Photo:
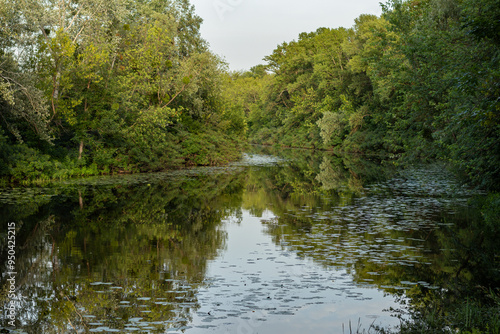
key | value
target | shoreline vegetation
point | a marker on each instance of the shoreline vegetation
(129, 86)
(106, 87)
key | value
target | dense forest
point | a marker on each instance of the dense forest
(99, 87)
(420, 82)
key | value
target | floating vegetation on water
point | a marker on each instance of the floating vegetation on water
(233, 247)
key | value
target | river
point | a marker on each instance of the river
(301, 243)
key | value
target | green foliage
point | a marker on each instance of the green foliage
(335, 123)
(491, 211)
(418, 83)
(243, 100)
(472, 317)
(208, 149)
(94, 87)
(124, 86)
(152, 146)
(482, 19)
(27, 164)
(450, 93)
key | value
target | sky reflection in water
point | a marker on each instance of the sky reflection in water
(296, 245)
(258, 286)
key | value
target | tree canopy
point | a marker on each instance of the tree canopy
(96, 86)
(419, 82)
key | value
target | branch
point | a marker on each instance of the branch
(79, 32)
(74, 18)
(177, 94)
(184, 87)
(30, 99)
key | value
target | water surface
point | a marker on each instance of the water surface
(296, 244)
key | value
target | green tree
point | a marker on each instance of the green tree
(23, 108)
(448, 104)
(115, 86)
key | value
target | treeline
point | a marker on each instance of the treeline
(97, 86)
(108, 86)
(420, 82)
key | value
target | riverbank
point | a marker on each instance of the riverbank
(27, 166)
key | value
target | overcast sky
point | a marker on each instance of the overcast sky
(245, 31)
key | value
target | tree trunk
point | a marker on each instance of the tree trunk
(80, 199)
(80, 150)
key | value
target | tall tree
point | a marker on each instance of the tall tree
(21, 103)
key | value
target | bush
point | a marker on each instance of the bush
(28, 164)
(209, 148)
(491, 211)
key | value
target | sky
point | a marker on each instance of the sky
(243, 32)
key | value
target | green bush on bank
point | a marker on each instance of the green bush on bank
(26, 165)
(467, 317)
(491, 211)
(29, 165)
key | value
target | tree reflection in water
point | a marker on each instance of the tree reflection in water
(131, 252)
(132, 256)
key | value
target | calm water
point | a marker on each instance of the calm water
(300, 244)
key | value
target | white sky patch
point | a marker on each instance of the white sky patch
(243, 32)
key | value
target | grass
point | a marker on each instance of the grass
(360, 330)
(470, 317)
